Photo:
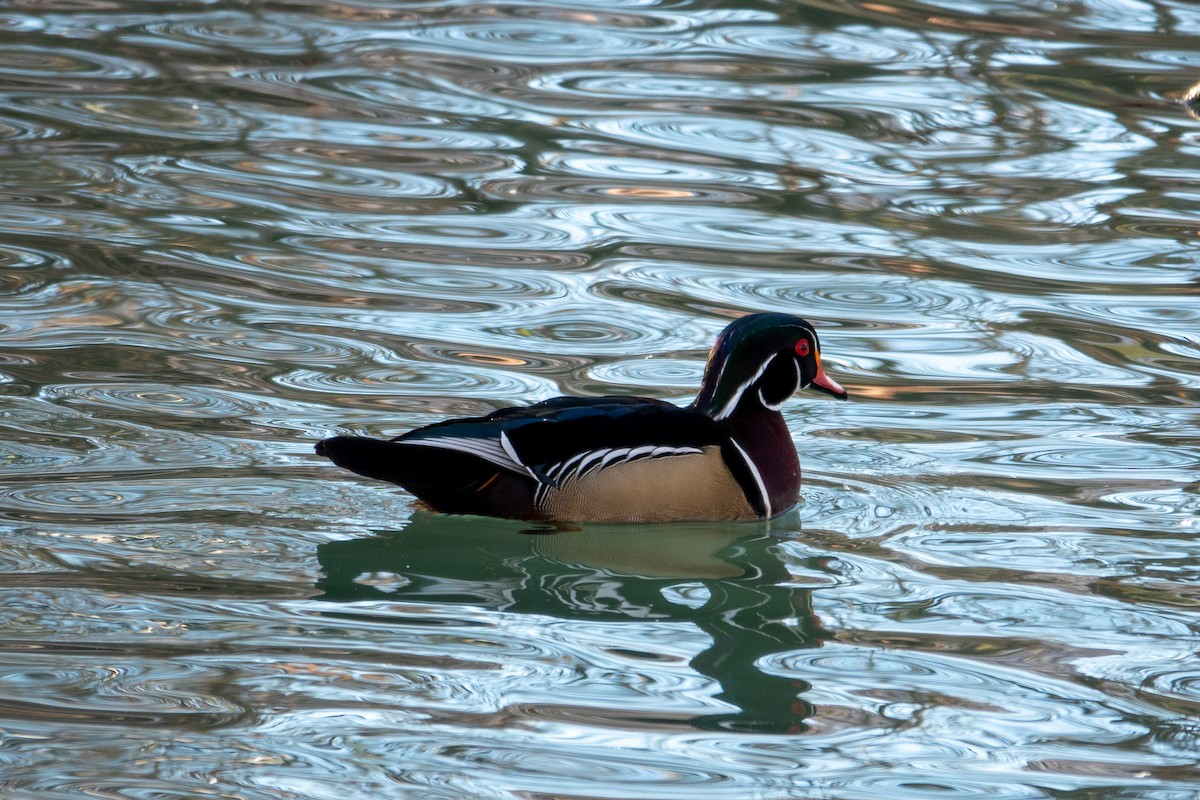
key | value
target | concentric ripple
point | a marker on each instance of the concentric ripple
(37, 65)
(852, 300)
(537, 40)
(470, 379)
(748, 139)
(222, 32)
(281, 185)
(142, 115)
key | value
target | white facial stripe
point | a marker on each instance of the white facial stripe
(741, 390)
(762, 487)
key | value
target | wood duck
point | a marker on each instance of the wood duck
(727, 456)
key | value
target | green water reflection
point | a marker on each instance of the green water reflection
(745, 602)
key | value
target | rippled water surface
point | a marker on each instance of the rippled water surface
(230, 229)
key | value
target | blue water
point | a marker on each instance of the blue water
(228, 230)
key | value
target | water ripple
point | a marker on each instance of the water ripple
(155, 399)
(16, 129)
(220, 32)
(39, 66)
(651, 373)
(891, 48)
(432, 255)
(101, 501)
(1154, 262)
(27, 270)
(868, 300)
(391, 95)
(283, 185)
(404, 138)
(750, 140)
(116, 693)
(539, 38)
(572, 329)
(667, 81)
(652, 172)
(559, 190)
(525, 230)
(144, 115)
(469, 379)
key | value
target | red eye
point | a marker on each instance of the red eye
(802, 347)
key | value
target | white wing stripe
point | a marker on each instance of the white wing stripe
(512, 453)
(674, 451)
(621, 453)
(583, 463)
(562, 466)
(488, 449)
(500, 451)
(583, 466)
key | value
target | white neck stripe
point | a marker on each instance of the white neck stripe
(762, 487)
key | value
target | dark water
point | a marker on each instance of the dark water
(230, 229)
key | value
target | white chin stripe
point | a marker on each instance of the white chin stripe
(779, 405)
(766, 405)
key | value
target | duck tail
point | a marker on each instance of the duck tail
(444, 480)
(373, 458)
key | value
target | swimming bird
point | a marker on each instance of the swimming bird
(727, 456)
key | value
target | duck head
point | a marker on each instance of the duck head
(758, 362)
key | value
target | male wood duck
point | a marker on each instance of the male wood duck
(727, 456)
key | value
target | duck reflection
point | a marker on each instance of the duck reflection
(727, 580)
